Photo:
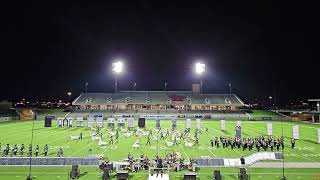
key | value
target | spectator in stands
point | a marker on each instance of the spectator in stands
(46, 149)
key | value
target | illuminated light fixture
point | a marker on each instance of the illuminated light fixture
(200, 68)
(117, 67)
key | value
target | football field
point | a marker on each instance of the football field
(18, 132)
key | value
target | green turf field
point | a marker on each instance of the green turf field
(262, 113)
(18, 132)
(56, 112)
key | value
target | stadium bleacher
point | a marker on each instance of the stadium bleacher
(179, 103)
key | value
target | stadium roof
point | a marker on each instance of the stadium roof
(316, 100)
(157, 97)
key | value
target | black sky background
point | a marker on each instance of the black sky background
(49, 49)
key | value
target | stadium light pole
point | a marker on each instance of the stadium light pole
(165, 86)
(270, 98)
(282, 150)
(117, 68)
(200, 68)
(134, 86)
(69, 94)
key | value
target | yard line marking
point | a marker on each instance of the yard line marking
(209, 150)
(18, 123)
(184, 151)
(81, 148)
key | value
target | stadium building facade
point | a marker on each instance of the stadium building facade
(158, 100)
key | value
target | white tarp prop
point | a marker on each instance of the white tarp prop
(69, 122)
(111, 120)
(90, 124)
(79, 118)
(188, 124)
(91, 118)
(269, 129)
(60, 122)
(222, 125)
(198, 123)
(120, 120)
(130, 122)
(99, 124)
(99, 118)
(295, 132)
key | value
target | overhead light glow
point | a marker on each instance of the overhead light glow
(200, 68)
(117, 67)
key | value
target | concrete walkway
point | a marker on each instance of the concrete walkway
(286, 165)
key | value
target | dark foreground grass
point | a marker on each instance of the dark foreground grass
(92, 173)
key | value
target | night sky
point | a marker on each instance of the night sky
(50, 49)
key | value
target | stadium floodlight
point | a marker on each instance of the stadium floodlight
(117, 67)
(200, 68)
(69, 94)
